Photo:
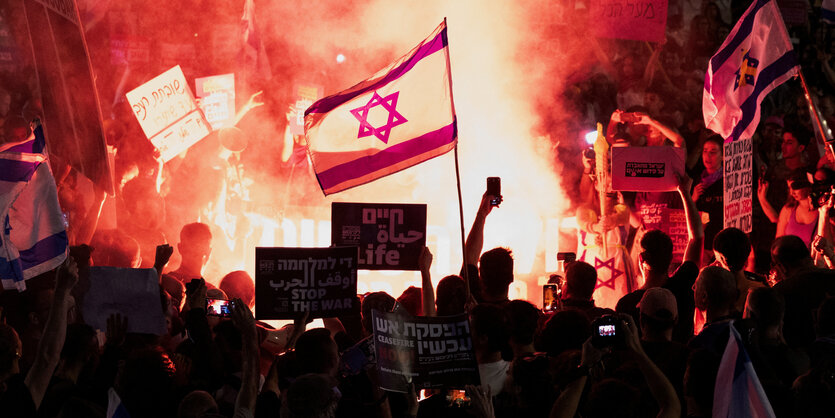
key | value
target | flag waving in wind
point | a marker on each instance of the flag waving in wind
(401, 116)
(33, 239)
(756, 57)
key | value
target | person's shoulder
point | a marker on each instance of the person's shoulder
(629, 301)
(688, 270)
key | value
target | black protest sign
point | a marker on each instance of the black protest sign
(322, 281)
(389, 236)
(431, 352)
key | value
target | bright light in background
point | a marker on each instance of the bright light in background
(340, 58)
(591, 136)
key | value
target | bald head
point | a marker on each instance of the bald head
(715, 289)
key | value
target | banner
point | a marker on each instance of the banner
(71, 112)
(431, 352)
(168, 114)
(739, 184)
(322, 281)
(217, 99)
(644, 169)
(638, 20)
(133, 293)
(390, 236)
(305, 95)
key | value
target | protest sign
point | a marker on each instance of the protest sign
(217, 99)
(168, 114)
(322, 281)
(304, 95)
(431, 352)
(638, 20)
(72, 118)
(126, 50)
(646, 168)
(133, 293)
(389, 236)
(661, 214)
(739, 184)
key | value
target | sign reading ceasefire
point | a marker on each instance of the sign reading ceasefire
(389, 236)
(322, 281)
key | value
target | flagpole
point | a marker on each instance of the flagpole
(465, 271)
(813, 109)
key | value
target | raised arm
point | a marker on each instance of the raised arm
(426, 290)
(762, 196)
(54, 333)
(665, 130)
(695, 229)
(475, 239)
(243, 319)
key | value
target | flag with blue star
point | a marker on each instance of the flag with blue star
(756, 57)
(401, 116)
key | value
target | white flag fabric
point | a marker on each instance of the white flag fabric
(33, 239)
(738, 392)
(401, 116)
(756, 57)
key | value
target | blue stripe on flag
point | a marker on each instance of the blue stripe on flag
(17, 171)
(44, 250)
(744, 32)
(768, 75)
(828, 15)
(11, 270)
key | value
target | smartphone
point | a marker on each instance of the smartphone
(549, 298)
(219, 307)
(494, 188)
(458, 398)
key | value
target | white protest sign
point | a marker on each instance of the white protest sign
(133, 293)
(739, 184)
(165, 106)
(646, 169)
(217, 99)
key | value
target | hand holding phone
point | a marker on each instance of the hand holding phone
(494, 188)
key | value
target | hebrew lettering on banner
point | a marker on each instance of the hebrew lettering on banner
(739, 184)
(389, 236)
(431, 352)
(322, 281)
(638, 20)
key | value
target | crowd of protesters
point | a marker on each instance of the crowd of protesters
(774, 286)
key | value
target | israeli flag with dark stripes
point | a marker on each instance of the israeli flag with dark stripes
(33, 239)
(756, 57)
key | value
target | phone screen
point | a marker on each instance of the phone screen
(549, 298)
(219, 307)
(494, 188)
(606, 330)
(458, 398)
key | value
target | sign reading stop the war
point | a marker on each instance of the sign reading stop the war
(289, 281)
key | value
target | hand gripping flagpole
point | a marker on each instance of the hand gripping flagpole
(465, 270)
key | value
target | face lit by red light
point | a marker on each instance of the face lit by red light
(712, 156)
(790, 147)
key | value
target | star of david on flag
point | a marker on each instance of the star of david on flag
(756, 57)
(401, 116)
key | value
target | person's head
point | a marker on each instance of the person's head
(198, 404)
(411, 300)
(612, 398)
(496, 271)
(656, 251)
(490, 328)
(80, 345)
(311, 396)
(11, 350)
(766, 307)
(238, 284)
(715, 289)
(145, 382)
(450, 296)
(794, 142)
(580, 280)
(175, 289)
(712, 152)
(114, 248)
(800, 188)
(316, 352)
(789, 253)
(732, 248)
(773, 129)
(524, 318)
(381, 301)
(566, 330)
(658, 310)
(195, 244)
